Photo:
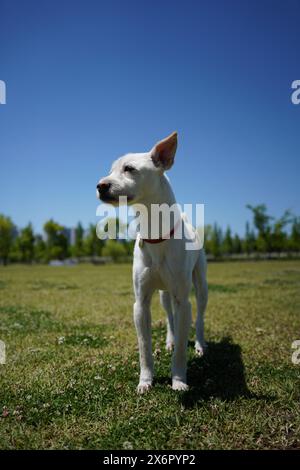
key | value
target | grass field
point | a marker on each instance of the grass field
(72, 363)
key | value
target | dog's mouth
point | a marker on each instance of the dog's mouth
(115, 200)
(108, 198)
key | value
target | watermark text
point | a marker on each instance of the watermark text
(296, 353)
(2, 353)
(2, 92)
(157, 222)
(295, 96)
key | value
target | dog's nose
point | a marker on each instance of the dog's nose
(103, 187)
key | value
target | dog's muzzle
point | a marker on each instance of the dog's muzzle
(103, 188)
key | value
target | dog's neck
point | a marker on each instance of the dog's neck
(162, 194)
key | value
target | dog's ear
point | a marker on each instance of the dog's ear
(163, 152)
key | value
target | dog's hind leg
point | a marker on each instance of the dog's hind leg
(165, 301)
(201, 291)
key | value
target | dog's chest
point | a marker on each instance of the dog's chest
(155, 263)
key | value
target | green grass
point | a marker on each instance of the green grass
(72, 362)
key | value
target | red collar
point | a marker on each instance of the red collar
(163, 239)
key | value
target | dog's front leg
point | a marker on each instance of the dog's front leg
(165, 300)
(183, 317)
(142, 320)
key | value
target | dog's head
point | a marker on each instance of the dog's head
(137, 175)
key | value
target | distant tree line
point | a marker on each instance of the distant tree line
(264, 235)
(26, 247)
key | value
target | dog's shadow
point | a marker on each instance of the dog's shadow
(219, 373)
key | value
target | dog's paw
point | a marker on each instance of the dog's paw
(179, 386)
(200, 350)
(143, 387)
(169, 346)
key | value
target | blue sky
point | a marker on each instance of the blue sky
(88, 81)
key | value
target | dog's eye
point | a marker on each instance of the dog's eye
(129, 169)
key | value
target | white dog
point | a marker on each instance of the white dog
(162, 263)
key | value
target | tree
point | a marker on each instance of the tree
(236, 244)
(249, 241)
(216, 241)
(78, 248)
(207, 238)
(92, 244)
(129, 246)
(261, 221)
(114, 249)
(261, 244)
(213, 240)
(40, 249)
(57, 242)
(227, 247)
(279, 238)
(6, 237)
(260, 218)
(294, 241)
(25, 244)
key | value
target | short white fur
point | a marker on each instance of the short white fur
(167, 266)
